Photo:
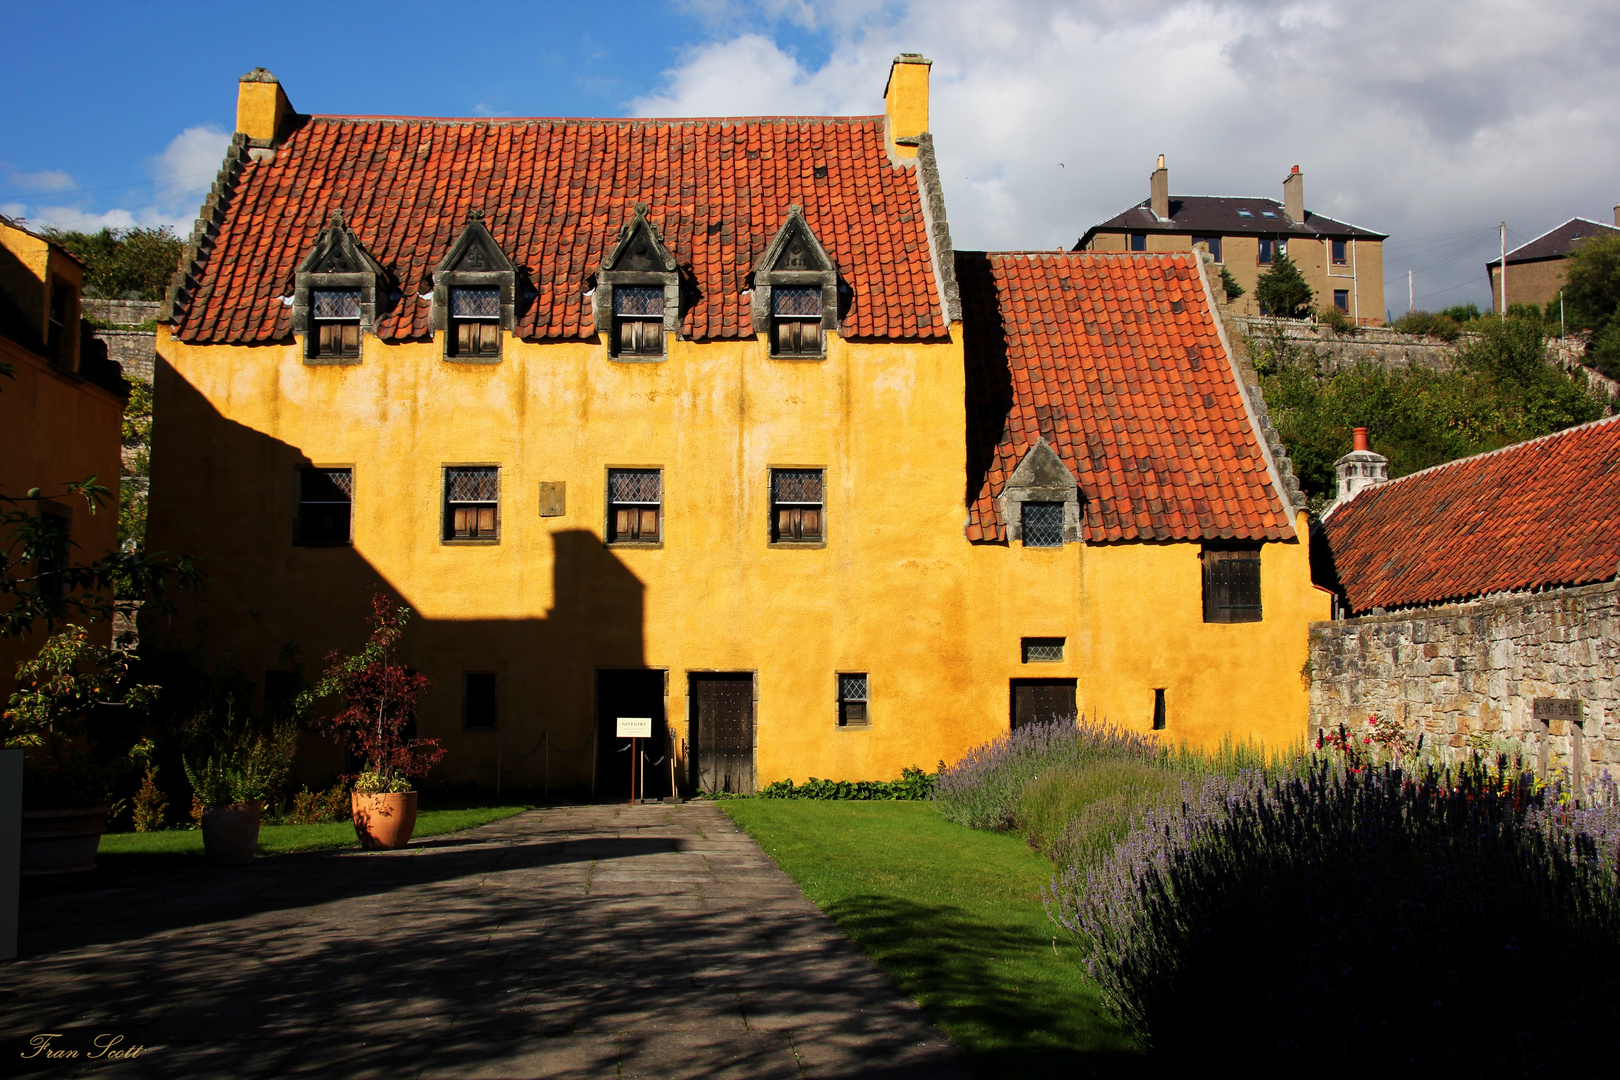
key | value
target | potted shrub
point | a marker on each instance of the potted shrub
(231, 787)
(68, 774)
(378, 696)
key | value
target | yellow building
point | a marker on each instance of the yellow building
(673, 419)
(1343, 264)
(61, 409)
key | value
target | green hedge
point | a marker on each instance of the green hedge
(914, 784)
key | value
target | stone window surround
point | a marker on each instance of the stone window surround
(1035, 480)
(610, 276)
(369, 280)
(503, 277)
(765, 279)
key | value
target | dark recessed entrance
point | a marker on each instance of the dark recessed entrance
(1042, 701)
(722, 718)
(630, 693)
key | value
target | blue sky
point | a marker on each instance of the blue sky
(1431, 121)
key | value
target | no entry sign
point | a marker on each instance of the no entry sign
(635, 727)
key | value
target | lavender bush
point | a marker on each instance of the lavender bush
(1352, 920)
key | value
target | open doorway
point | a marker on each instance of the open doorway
(631, 692)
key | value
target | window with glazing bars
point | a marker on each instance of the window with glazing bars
(635, 505)
(475, 321)
(472, 499)
(852, 701)
(1232, 585)
(1043, 650)
(796, 320)
(325, 504)
(638, 320)
(797, 505)
(1043, 524)
(334, 316)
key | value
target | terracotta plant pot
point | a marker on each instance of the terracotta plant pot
(231, 833)
(384, 822)
(62, 841)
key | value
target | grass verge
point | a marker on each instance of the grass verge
(954, 916)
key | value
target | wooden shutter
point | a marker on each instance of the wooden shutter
(1042, 701)
(1232, 586)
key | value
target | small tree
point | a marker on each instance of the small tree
(1282, 290)
(1230, 286)
(379, 696)
(134, 263)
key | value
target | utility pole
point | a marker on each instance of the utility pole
(1409, 292)
(1562, 332)
(1501, 312)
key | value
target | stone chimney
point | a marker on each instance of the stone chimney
(1358, 470)
(905, 105)
(1159, 188)
(1294, 195)
(263, 112)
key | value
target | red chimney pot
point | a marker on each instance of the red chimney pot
(1360, 435)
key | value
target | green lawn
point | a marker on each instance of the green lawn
(954, 916)
(282, 839)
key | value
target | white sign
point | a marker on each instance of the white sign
(635, 727)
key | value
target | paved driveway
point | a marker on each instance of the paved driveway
(596, 941)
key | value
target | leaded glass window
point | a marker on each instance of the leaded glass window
(852, 701)
(635, 505)
(638, 320)
(475, 321)
(796, 320)
(325, 500)
(472, 502)
(1043, 524)
(1043, 650)
(335, 318)
(797, 505)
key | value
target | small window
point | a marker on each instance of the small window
(475, 321)
(635, 506)
(1340, 254)
(478, 700)
(1232, 585)
(1158, 709)
(1245, 213)
(1267, 249)
(472, 503)
(325, 502)
(797, 505)
(1213, 243)
(1043, 524)
(1268, 213)
(1138, 241)
(1341, 299)
(638, 320)
(796, 320)
(1043, 650)
(334, 316)
(852, 701)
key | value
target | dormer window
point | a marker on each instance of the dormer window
(338, 290)
(475, 322)
(795, 292)
(474, 295)
(334, 324)
(638, 292)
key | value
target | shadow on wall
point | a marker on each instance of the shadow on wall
(275, 608)
(989, 382)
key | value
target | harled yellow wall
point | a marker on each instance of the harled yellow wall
(896, 592)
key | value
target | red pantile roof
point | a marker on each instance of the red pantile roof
(1532, 515)
(554, 194)
(1116, 360)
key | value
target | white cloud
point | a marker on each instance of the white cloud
(1413, 118)
(190, 162)
(45, 180)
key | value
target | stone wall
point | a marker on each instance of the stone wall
(133, 349)
(1476, 669)
(1378, 344)
(120, 312)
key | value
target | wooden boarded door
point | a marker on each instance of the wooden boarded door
(723, 722)
(1042, 701)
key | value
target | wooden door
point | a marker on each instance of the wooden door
(1042, 701)
(723, 723)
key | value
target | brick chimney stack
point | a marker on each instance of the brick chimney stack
(1160, 191)
(1358, 470)
(1294, 195)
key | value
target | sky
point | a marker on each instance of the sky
(1432, 122)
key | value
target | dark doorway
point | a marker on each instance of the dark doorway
(723, 732)
(630, 692)
(1042, 701)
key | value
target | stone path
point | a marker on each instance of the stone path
(595, 941)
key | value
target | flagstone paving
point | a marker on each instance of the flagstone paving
(589, 941)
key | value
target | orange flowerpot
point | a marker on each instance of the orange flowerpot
(61, 841)
(231, 833)
(384, 822)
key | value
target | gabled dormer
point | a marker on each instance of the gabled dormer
(638, 292)
(795, 291)
(336, 295)
(474, 295)
(1041, 500)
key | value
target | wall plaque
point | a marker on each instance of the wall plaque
(553, 498)
(1551, 708)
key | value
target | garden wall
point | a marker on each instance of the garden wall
(1476, 669)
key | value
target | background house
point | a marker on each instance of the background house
(1343, 264)
(1536, 271)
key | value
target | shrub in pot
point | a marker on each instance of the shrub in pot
(231, 787)
(377, 697)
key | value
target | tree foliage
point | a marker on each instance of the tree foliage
(1229, 285)
(1592, 299)
(123, 264)
(1282, 290)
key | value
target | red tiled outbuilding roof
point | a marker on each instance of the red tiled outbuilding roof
(1536, 514)
(1117, 361)
(554, 194)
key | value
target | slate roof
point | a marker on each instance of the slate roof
(554, 193)
(1536, 514)
(1209, 215)
(1117, 361)
(1556, 243)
